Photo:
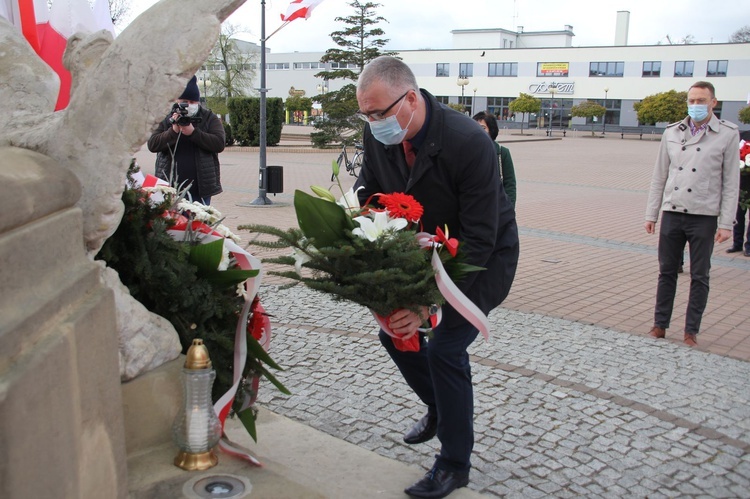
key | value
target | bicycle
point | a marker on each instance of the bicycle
(355, 164)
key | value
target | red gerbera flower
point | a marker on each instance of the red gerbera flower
(400, 205)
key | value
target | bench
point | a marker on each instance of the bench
(550, 131)
(631, 131)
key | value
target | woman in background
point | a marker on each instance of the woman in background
(489, 123)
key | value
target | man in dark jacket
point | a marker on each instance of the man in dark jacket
(188, 147)
(414, 144)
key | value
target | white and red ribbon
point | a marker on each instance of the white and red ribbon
(450, 291)
(246, 261)
(223, 406)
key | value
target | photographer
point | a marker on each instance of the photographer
(188, 142)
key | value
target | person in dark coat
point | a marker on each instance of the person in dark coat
(488, 122)
(415, 145)
(188, 154)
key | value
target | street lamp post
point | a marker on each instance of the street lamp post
(604, 118)
(472, 101)
(262, 199)
(322, 88)
(462, 82)
(206, 84)
(552, 91)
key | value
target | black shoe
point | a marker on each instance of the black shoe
(746, 252)
(680, 269)
(423, 430)
(734, 250)
(438, 483)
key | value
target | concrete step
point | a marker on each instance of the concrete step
(298, 461)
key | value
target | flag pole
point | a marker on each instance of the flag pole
(262, 199)
(263, 179)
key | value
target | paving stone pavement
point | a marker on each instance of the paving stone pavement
(563, 409)
(572, 399)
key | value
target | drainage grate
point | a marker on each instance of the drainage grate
(217, 486)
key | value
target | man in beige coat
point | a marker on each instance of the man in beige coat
(695, 185)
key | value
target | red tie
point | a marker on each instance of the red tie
(409, 153)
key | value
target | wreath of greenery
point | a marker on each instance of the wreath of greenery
(159, 273)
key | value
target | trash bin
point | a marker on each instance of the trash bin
(275, 176)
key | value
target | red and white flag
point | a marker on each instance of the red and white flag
(299, 9)
(26, 15)
(47, 31)
(66, 17)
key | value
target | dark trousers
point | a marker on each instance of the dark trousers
(677, 229)
(440, 375)
(738, 231)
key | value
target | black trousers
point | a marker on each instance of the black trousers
(677, 229)
(440, 375)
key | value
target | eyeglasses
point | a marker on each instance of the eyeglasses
(378, 115)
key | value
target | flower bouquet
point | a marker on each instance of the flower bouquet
(371, 255)
(181, 262)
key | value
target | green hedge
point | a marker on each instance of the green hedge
(245, 118)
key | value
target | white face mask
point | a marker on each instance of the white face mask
(389, 131)
(193, 109)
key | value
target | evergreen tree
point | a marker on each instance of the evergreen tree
(360, 43)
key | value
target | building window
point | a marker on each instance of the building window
(717, 110)
(683, 68)
(607, 69)
(716, 68)
(556, 112)
(277, 65)
(612, 116)
(466, 69)
(442, 69)
(652, 68)
(343, 65)
(502, 69)
(443, 99)
(499, 107)
(309, 65)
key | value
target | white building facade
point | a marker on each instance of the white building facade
(496, 65)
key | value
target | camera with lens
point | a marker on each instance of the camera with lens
(183, 119)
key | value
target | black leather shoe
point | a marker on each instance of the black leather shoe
(438, 483)
(423, 430)
(734, 250)
(746, 252)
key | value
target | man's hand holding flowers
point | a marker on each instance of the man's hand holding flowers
(372, 256)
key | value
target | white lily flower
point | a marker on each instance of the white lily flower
(350, 201)
(372, 228)
(300, 258)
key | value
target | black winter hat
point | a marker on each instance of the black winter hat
(191, 91)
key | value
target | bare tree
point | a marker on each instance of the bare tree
(742, 35)
(118, 11)
(231, 65)
(686, 40)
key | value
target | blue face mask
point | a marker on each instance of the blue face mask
(388, 131)
(698, 112)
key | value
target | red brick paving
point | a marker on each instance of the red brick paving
(584, 253)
